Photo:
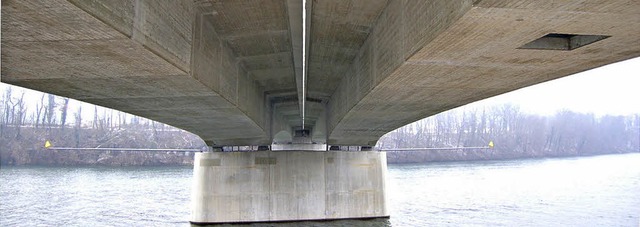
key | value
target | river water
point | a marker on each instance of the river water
(584, 191)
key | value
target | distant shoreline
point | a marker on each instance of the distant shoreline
(415, 157)
(48, 158)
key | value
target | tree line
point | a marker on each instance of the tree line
(25, 126)
(511, 130)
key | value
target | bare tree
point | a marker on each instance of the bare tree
(20, 114)
(78, 126)
(39, 110)
(63, 113)
(50, 111)
(7, 110)
(95, 117)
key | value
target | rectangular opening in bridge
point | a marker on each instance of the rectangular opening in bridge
(302, 133)
(558, 41)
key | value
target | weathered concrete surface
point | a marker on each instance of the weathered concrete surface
(425, 57)
(337, 32)
(230, 71)
(203, 66)
(284, 186)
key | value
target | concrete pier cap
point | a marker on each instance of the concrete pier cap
(283, 186)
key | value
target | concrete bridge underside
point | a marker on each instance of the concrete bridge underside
(232, 71)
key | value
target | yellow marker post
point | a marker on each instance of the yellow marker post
(490, 144)
(47, 144)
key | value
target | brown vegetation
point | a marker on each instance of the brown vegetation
(23, 132)
(515, 134)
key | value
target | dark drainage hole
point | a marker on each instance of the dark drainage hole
(558, 41)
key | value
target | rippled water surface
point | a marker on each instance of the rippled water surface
(586, 191)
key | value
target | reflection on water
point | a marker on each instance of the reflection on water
(375, 222)
(586, 191)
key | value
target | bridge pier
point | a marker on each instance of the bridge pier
(271, 186)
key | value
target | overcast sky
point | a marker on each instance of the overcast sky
(609, 90)
(612, 89)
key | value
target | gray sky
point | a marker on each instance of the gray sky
(609, 90)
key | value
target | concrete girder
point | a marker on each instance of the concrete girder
(425, 57)
(163, 60)
(224, 69)
(338, 30)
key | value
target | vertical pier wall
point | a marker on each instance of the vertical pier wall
(270, 186)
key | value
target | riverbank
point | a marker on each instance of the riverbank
(43, 157)
(426, 156)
